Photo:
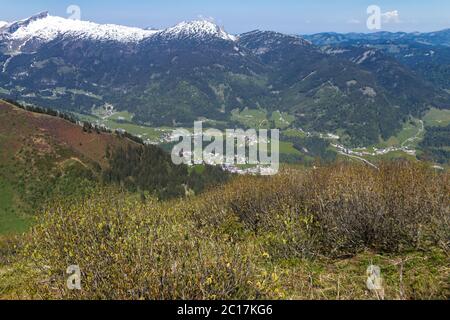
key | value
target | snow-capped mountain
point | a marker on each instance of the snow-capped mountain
(43, 28)
(3, 23)
(197, 29)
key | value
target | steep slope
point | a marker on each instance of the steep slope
(19, 126)
(360, 90)
(393, 75)
(428, 54)
(42, 156)
(46, 156)
(201, 29)
(430, 62)
(164, 73)
(27, 35)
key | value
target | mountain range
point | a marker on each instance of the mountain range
(363, 87)
(439, 38)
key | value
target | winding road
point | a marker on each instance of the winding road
(417, 136)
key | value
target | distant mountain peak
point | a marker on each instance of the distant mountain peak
(26, 22)
(44, 27)
(439, 38)
(197, 29)
(263, 40)
(40, 15)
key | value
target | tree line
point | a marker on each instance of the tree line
(149, 169)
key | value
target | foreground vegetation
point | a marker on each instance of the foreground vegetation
(303, 234)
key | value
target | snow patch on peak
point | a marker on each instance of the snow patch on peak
(364, 57)
(40, 15)
(14, 26)
(197, 29)
(3, 23)
(42, 28)
(46, 28)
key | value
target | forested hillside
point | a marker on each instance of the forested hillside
(46, 154)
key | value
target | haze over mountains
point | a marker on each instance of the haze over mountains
(362, 87)
(439, 38)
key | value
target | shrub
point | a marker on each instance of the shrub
(231, 242)
(129, 250)
(390, 210)
(340, 209)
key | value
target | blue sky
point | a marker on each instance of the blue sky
(289, 16)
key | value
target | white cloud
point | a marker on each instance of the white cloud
(391, 17)
(354, 21)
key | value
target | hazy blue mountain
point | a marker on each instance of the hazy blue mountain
(439, 38)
